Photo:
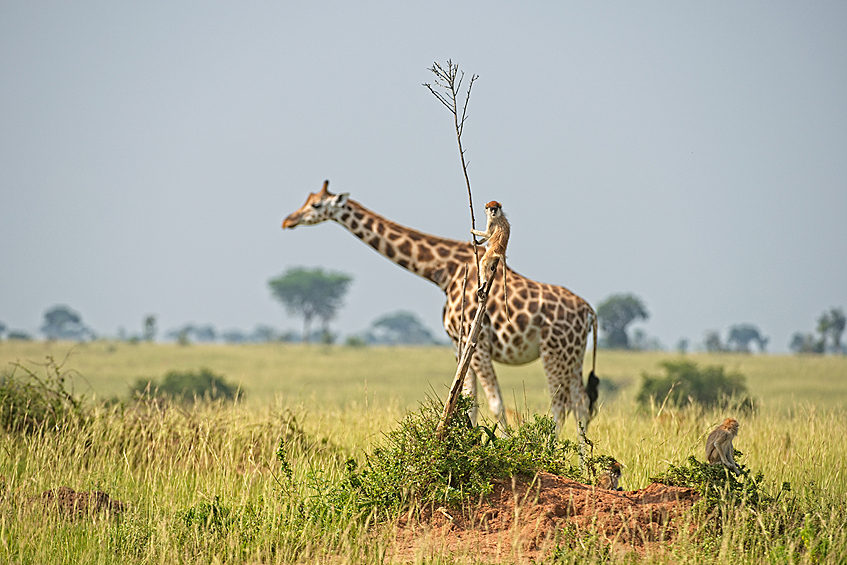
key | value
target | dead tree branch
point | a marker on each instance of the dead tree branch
(447, 89)
(465, 358)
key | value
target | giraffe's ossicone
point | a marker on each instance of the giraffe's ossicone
(547, 321)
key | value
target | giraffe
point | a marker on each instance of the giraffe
(547, 321)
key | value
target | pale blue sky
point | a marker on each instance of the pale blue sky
(692, 154)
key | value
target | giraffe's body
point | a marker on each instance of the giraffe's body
(547, 321)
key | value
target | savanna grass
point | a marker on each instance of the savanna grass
(203, 482)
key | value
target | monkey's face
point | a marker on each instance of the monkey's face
(319, 207)
(615, 469)
(493, 209)
(731, 425)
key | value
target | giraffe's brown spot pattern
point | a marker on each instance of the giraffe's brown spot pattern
(405, 248)
(424, 254)
(380, 228)
(389, 250)
(368, 224)
(394, 236)
(345, 216)
(443, 252)
(522, 320)
(414, 236)
(403, 263)
(358, 215)
(354, 225)
(374, 242)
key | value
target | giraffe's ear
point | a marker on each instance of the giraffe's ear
(340, 199)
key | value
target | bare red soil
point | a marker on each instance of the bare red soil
(523, 521)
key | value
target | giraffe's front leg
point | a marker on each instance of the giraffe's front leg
(484, 369)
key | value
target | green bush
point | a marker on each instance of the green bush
(412, 466)
(717, 485)
(29, 402)
(685, 382)
(185, 386)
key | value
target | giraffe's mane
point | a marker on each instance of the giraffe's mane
(421, 236)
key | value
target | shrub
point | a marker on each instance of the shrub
(184, 386)
(717, 484)
(28, 402)
(685, 382)
(413, 466)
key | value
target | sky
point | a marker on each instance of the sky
(692, 154)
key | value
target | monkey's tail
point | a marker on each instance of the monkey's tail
(593, 381)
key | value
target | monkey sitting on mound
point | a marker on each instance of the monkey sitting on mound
(609, 478)
(719, 448)
(497, 235)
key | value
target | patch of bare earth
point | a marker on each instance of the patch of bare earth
(69, 503)
(523, 520)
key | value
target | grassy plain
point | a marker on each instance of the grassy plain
(338, 375)
(173, 465)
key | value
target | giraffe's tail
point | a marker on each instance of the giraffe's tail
(593, 381)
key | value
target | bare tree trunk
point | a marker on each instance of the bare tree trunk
(307, 327)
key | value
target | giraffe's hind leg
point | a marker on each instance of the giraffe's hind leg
(564, 381)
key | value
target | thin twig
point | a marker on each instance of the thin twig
(450, 80)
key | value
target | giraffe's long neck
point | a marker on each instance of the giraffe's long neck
(434, 258)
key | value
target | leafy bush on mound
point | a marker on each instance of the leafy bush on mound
(29, 402)
(684, 382)
(716, 484)
(413, 466)
(185, 386)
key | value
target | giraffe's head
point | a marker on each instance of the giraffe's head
(319, 207)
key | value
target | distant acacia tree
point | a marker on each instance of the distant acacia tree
(831, 325)
(806, 343)
(742, 335)
(189, 332)
(311, 293)
(712, 342)
(615, 314)
(60, 322)
(400, 327)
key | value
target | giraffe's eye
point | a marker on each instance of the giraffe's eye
(316, 205)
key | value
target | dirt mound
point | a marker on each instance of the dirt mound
(70, 503)
(521, 520)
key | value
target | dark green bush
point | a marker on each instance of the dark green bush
(412, 466)
(716, 484)
(29, 402)
(685, 382)
(185, 386)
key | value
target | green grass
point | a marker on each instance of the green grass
(204, 484)
(338, 375)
